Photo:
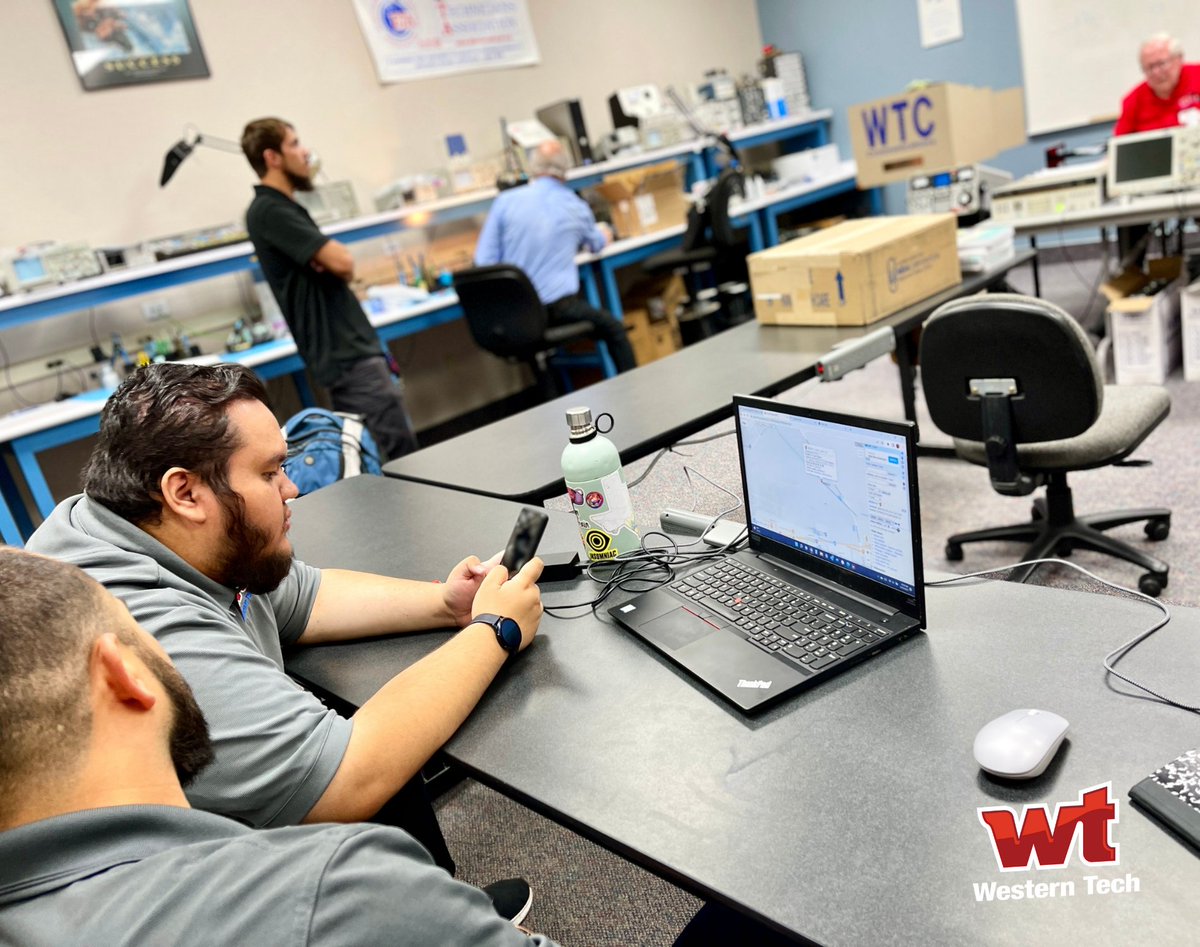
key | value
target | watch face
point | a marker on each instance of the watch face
(510, 631)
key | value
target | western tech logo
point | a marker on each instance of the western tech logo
(1042, 841)
(1037, 845)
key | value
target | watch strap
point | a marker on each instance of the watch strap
(496, 623)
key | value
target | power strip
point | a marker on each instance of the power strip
(683, 523)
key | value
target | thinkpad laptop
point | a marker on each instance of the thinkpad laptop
(832, 575)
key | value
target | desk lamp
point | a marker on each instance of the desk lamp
(187, 144)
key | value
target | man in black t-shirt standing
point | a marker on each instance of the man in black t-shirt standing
(309, 275)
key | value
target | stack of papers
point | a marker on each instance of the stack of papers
(984, 246)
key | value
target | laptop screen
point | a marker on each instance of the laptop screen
(838, 493)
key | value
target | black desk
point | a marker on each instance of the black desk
(519, 458)
(846, 815)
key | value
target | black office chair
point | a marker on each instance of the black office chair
(710, 241)
(713, 251)
(1014, 381)
(507, 319)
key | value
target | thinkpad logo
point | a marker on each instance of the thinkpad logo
(760, 684)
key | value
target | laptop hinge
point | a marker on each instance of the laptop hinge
(885, 610)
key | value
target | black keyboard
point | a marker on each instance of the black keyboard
(780, 618)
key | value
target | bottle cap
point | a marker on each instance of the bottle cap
(579, 420)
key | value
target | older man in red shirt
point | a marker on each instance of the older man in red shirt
(1170, 95)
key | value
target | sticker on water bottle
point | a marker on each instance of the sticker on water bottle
(605, 515)
(599, 544)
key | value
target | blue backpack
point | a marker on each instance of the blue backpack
(326, 446)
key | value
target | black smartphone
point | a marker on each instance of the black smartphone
(523, 542)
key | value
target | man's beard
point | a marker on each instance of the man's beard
(244, 562)
(190, 743)
(299, 182)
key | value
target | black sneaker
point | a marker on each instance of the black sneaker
(512, 898)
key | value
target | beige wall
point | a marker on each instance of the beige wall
(78, 165)
(84, 165)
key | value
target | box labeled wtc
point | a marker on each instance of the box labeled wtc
(935, 128)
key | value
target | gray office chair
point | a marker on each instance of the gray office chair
(506, 318)
(1014, 381)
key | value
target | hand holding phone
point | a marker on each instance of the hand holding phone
(523, 542)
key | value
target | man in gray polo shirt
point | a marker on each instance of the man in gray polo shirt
(184, 518)
(97, 842)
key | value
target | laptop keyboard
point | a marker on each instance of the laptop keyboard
(808, 631)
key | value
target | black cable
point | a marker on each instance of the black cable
(666, 450)
(643, 569)
(645, 473)
(653, 565)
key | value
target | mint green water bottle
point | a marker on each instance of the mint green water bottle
(596, 488)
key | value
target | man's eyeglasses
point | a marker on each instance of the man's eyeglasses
(1158, 64)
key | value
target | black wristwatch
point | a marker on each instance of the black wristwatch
(508, 632)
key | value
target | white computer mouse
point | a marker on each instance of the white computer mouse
(1020, 744)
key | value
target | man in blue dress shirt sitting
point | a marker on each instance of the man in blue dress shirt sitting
(539, 228)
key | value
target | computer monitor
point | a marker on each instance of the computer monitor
(1143, 163)
(565, 119)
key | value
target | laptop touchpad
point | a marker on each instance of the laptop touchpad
(682, 626)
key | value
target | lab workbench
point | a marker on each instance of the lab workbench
(24, 434)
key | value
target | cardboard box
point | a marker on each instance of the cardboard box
(647, 199)
(1144, 330)
(651, 339)
(1189, 306)
(651, 322)
(935, 128)
(855, 273)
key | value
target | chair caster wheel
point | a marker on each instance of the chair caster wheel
(954, 552)
(1158, 529)
(1064, 549)
(1152, 584)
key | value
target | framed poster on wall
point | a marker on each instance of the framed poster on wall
(130, 42)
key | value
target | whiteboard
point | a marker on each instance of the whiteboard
(1080, 57)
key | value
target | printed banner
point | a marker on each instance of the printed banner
(418, 39)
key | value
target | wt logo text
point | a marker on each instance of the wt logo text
(1042, 841)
